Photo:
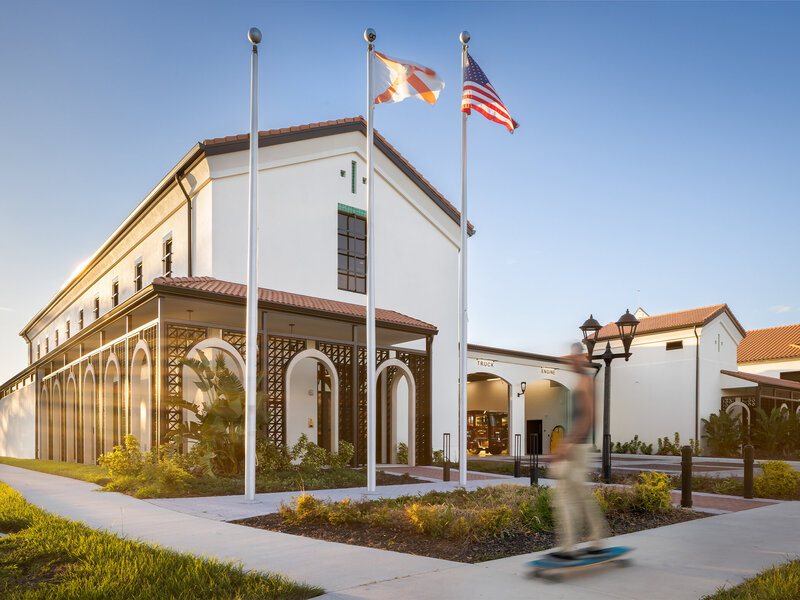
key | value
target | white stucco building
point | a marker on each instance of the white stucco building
(105, 353)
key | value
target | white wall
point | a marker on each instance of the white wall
(550, 404)
(652, 395)
(771, 368)
(18, 423)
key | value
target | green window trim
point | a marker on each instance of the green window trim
(353, 176)
(352, 210)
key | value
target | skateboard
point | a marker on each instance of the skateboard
(550, 565)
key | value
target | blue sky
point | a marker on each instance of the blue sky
(658, 157)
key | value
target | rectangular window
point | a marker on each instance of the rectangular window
(675, 345)
(137, 276)
(66, 329)
(55, 342)
(80, 319)
(38, 351)
(353, 176)
(352, 253)
(166, 261)
(96, 307)
(46, 345)
(114, 293)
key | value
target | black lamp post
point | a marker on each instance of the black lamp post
(626, 326)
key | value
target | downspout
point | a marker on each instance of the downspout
(188, 223)
(696, 386)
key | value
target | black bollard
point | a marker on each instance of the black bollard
(686, 476)
(748, 471)
(446, 457)
(534, 460)
(517, 455)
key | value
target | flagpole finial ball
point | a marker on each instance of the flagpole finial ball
(254, 35)
(370, 35)
(464, 37)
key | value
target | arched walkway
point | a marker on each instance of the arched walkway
(45, 431)
(112, 396)
(307, 411)
(71, 418)
(57, 401)
(489, 408)
(89, 416)
(406, 375)
(141, 395)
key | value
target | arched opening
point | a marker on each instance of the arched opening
(488, 414)
(45, 431)
(398, 419)
(743, 411)
(112, 409)
(57, 423)
(141, 395)
(89, 417)
(312, 399)
(71, 418)
(547, 414)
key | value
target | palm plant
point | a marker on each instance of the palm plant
(723, 432)
(771, 432)
(218, 423)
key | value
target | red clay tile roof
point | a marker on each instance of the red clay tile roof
(674, 320)
(770, 344)
(215, 286)
(763, 379)
(242, 137)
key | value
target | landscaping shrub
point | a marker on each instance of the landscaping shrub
(652, 492)
(613, 500)
(635, 446)
(723, 432)
(124, 460)
(673, 448)
(777, 479)
(771, 433)
(430, 519)
(539, 515)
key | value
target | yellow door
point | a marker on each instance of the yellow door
(555, 437)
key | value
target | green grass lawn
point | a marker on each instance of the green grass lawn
(91, 473)
(46, 556)
(778, 583)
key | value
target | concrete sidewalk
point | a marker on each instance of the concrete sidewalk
(685, 560)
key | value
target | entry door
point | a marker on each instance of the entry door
(533, 426)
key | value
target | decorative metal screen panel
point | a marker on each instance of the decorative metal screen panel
(418, 364)
(381, 355)
(341, 356)
(179, 340)
(281, 350)
(238, 340)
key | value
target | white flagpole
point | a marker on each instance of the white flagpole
(462, 313)
(370, 35)
(254, 35)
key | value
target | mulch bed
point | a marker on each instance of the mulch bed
(410, 542)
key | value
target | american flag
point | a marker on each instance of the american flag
(481, 96)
